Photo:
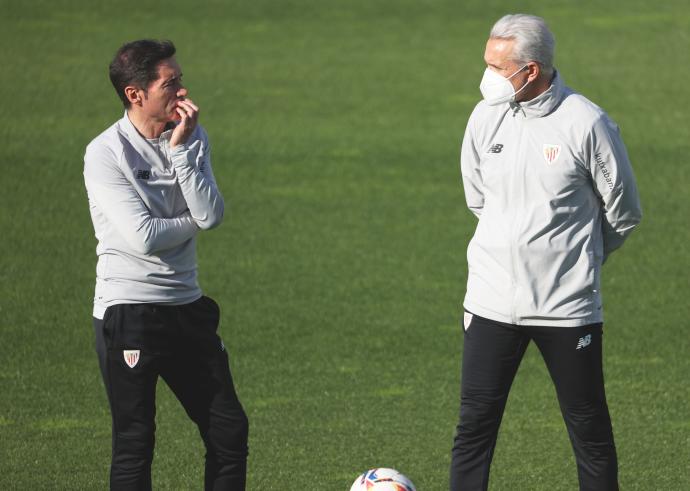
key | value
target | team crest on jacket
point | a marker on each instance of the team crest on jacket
(551, 153)
(131, 357)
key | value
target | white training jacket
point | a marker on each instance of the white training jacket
(147, 203)
(552, 186)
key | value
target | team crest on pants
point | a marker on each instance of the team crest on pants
(131, 357)
(551, 153)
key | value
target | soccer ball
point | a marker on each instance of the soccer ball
(382, 479)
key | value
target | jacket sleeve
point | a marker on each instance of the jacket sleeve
(122, 206)
(195, 176)
(469, 169)
(614, 182)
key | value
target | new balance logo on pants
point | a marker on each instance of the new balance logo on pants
(584, 341)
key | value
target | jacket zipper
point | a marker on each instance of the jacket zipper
(518, 171)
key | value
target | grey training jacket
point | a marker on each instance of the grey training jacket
(552, 186)
(147, 204)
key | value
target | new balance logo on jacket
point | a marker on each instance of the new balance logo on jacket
(143, 174)
(584, 341)
(495, 148)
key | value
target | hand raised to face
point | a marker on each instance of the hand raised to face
(189, 115)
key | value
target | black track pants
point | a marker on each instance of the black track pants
(491, 355)
(137, 343)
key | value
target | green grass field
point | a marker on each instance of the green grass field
(340, 267)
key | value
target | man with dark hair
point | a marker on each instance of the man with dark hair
(136, 63)
(151, 189)
(546, 173)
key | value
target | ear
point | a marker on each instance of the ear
(533, 71)
(134, 95)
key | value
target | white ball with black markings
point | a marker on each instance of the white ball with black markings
(382, 479)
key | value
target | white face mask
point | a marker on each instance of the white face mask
(497, 89)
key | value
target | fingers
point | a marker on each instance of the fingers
(189, 103)
(190, 109)
(189, 114)
(183, 115)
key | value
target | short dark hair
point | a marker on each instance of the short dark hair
(136, 64)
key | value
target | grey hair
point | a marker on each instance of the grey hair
(533, 39)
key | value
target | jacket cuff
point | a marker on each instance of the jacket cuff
(181, 156)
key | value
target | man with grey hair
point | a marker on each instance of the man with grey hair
(546, 173)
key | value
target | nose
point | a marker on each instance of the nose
(182, 92)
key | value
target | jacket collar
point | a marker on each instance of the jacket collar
(134, 135)
(544, 103)
(142, 146)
